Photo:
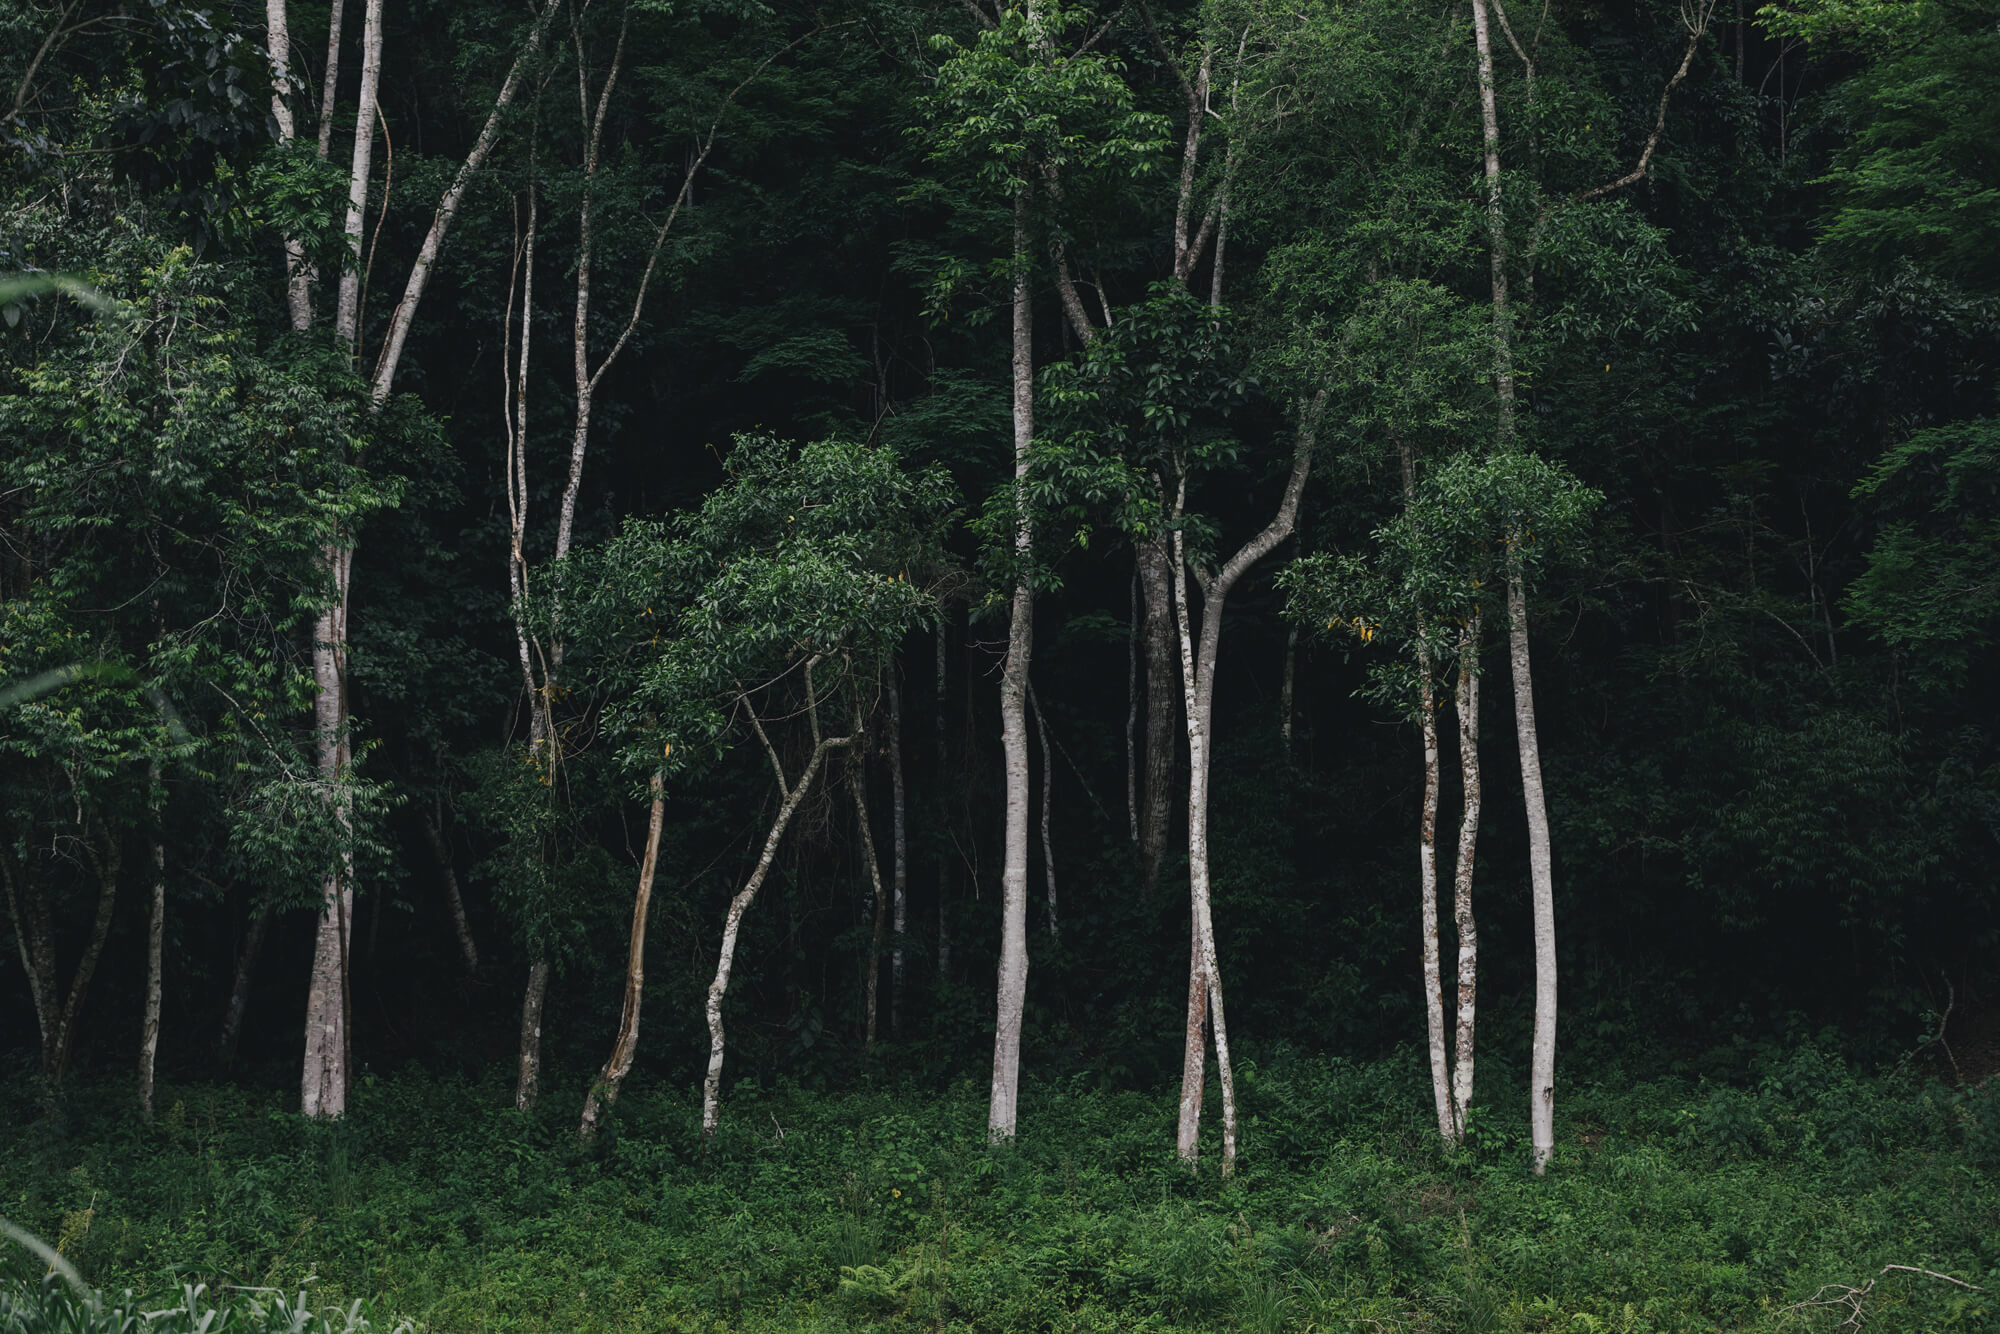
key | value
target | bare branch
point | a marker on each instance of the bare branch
(1697, 29)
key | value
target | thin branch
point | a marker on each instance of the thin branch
(1697, 29)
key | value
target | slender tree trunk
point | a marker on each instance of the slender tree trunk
(32, 939)
(1012, 990)
(604, 1093)
(1048, 785)
(1427, 880)
(1285, 689)
(330, 84)
(1194, 1053)
(1198, 662)
(900, 853)
(55, 1057)
(943, 819)
(453, 900)
(1133, 636)
(347, 313)
(528, 1079)
(871, 982)
(1163, 707)
(323, 1084)
(156, 930)
(278, 40)
(711, 1087)
(1461, 882)
(239, 990)
(1541, 872)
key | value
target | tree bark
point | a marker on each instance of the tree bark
(858, 785)
(900, 852)
(604, 1093)
(1194, 1053)
(330, 85)
(1012, 988)
(1541, 875)
(1048, 785)
(1198, 662)
(278, 40)
(453, 900)
(1163, 706)
(156, 928)
(347, 311)
(528, 1079)
(1427, 880)
(1461, 882)
(323, 1084)
(791, 797)
(943, 818)
(239, 990)
(55, 1051)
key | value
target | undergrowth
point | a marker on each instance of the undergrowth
(1674, 1204)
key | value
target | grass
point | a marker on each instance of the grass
(1675, 1204)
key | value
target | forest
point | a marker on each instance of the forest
(999, 665)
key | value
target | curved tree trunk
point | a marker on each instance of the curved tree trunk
(604, 1092)
(1048, 786)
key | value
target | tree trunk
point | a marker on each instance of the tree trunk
(1048, 785)
(156, 929)
(943, 821)
(1285, 684)
(278, 40)
(1012, 988)
(1194, 1054)
(323, 1084)
(611, 1078)
(442, 851)
(347, 312)
(55, 1054)
(330, 85)
(900, 873)
(528, 1079)
(1427, 881)
(1461, 881)
(32, 936)
(858, 785)
(1198, 662)
(711, 1085)
(1135, 633)
(1541, 876)
(239, 990)
(1163, 707)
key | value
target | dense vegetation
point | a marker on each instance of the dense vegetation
(615, 616)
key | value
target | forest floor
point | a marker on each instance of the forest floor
(1675, 1203)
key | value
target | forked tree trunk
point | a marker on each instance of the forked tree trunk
(104, 860)
(156, 929)
(604, 1092)
(857, 782)
(1012, 988)
(1461, 882)
(1198, 662)
(900, 853)
(790, 799)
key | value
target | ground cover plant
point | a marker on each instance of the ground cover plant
(1682, 1202)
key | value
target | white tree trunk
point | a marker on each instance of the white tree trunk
(604, 1092)
(1427, 882)
(711, 1085)
(1461, 884)
(1048, 785)
(528, 1079)
(1012, 988)
(871, 989)
(347, 312)
(1541, 878)
(278, 40)
(324, 1081)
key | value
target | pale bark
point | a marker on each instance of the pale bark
(528, 1078)
(900, 852)
(37, 965)
(1427, 881)
(239, 990)
(857, 783)
(323, 1083)
(1012, 985)
(1198, 662)
(448, 204)
(278, 40)
(1194, 1052)
(1541, 877)
(790, 798)
(1048, 785)
(1285, 684)
(604, 1093)
(347, 310)
(156, 928)
(453, 900)
(330, 85)
(1461, 882)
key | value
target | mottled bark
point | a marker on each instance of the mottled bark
(604, 1092)
(899, 852)
(347, 309)
(528, 1076)
(1427, 882)
(871, 986)
(278, 41)
(323, 1083)
(1048, 785)
(1012, 982)
(1194, 1053)
(1541, 877)
(1461, 881)
(1163, 710)
(156, 931)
